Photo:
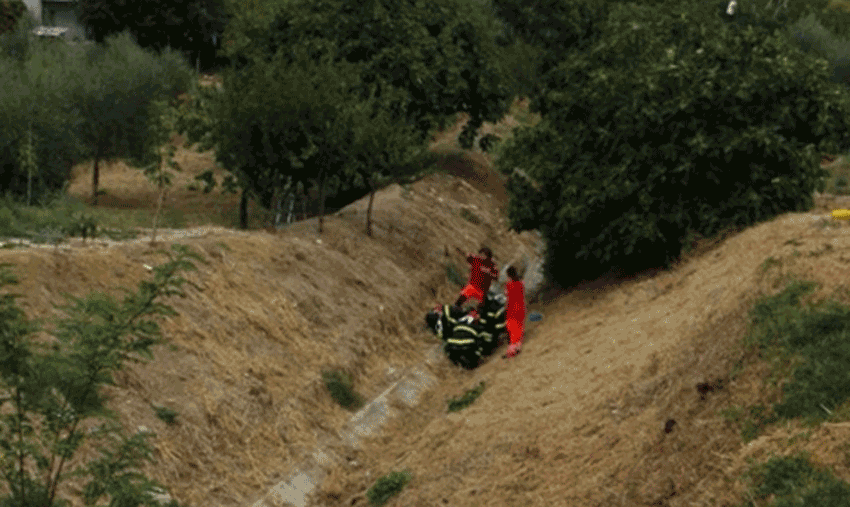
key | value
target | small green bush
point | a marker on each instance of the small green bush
(82, 224)
(470, 216)
(454, 275)
(340, 385)
(386, 487)
(165, 414)
(467, 399)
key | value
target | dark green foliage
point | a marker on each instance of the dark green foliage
(470, 216)
(60, 384)
(10, 12)
(675, 123)
(387, 487)
(467, 399)
(114, 93)
(188, 26)
(341, 387)
(82, 224)
(166, 414)
(441, 54)
(79, 102)
(545, 32)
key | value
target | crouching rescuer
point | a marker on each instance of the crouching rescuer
(482, 273)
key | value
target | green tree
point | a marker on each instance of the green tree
(382, 150)
(443, 55)
(186, 25)
(34, 99)
(676, 122)
(160, 154)
(53, 392)
(113, 96)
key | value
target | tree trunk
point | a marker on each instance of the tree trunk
(156, 214)
(369, 212)
(304, 202)
(291, 205)
(243, 210)
(95, 177)
(29, 152)
(321, 200)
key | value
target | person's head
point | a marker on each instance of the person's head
(486, 252)
(512, 273)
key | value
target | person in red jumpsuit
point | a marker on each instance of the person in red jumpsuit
(515, 312)
(482, 273)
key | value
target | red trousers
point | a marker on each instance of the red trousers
(515, 327)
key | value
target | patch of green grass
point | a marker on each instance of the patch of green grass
(470, 216)
(165, 414)
(456, 404)
(57, 216)
(340, 385)
(793, 481)
(454, 275)
(769, 263)
(809, 347)
(387, 487)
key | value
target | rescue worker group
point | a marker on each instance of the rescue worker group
(470, 334)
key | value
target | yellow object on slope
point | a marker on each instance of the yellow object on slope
(841, 214)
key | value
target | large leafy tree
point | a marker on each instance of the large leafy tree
(422, 61)
(113, 92)
(676, 122)
(193, 26)
(442, 54)
(279, 120)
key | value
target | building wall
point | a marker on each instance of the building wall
(34, 6)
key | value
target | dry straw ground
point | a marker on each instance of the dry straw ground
(576, 420)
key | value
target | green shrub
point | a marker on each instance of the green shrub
(340, 385)
(82, 224)
(470, 216)
(61, 387)
(467, 399)
(387, 487)
(166, 414)
(646, 115)
(454, 275)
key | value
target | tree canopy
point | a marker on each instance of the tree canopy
(442, 54)
(675, 122)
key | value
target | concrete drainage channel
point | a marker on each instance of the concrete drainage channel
(404, 393)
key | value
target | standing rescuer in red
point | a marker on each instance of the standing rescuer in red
(482, 273)
(515, 312)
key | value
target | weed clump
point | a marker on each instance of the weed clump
(340, 385)
(387, 487)
(467, 399)
(454, 275)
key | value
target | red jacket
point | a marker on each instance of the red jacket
(515, 292)
(482, 272)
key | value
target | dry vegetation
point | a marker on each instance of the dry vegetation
(577, 419)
